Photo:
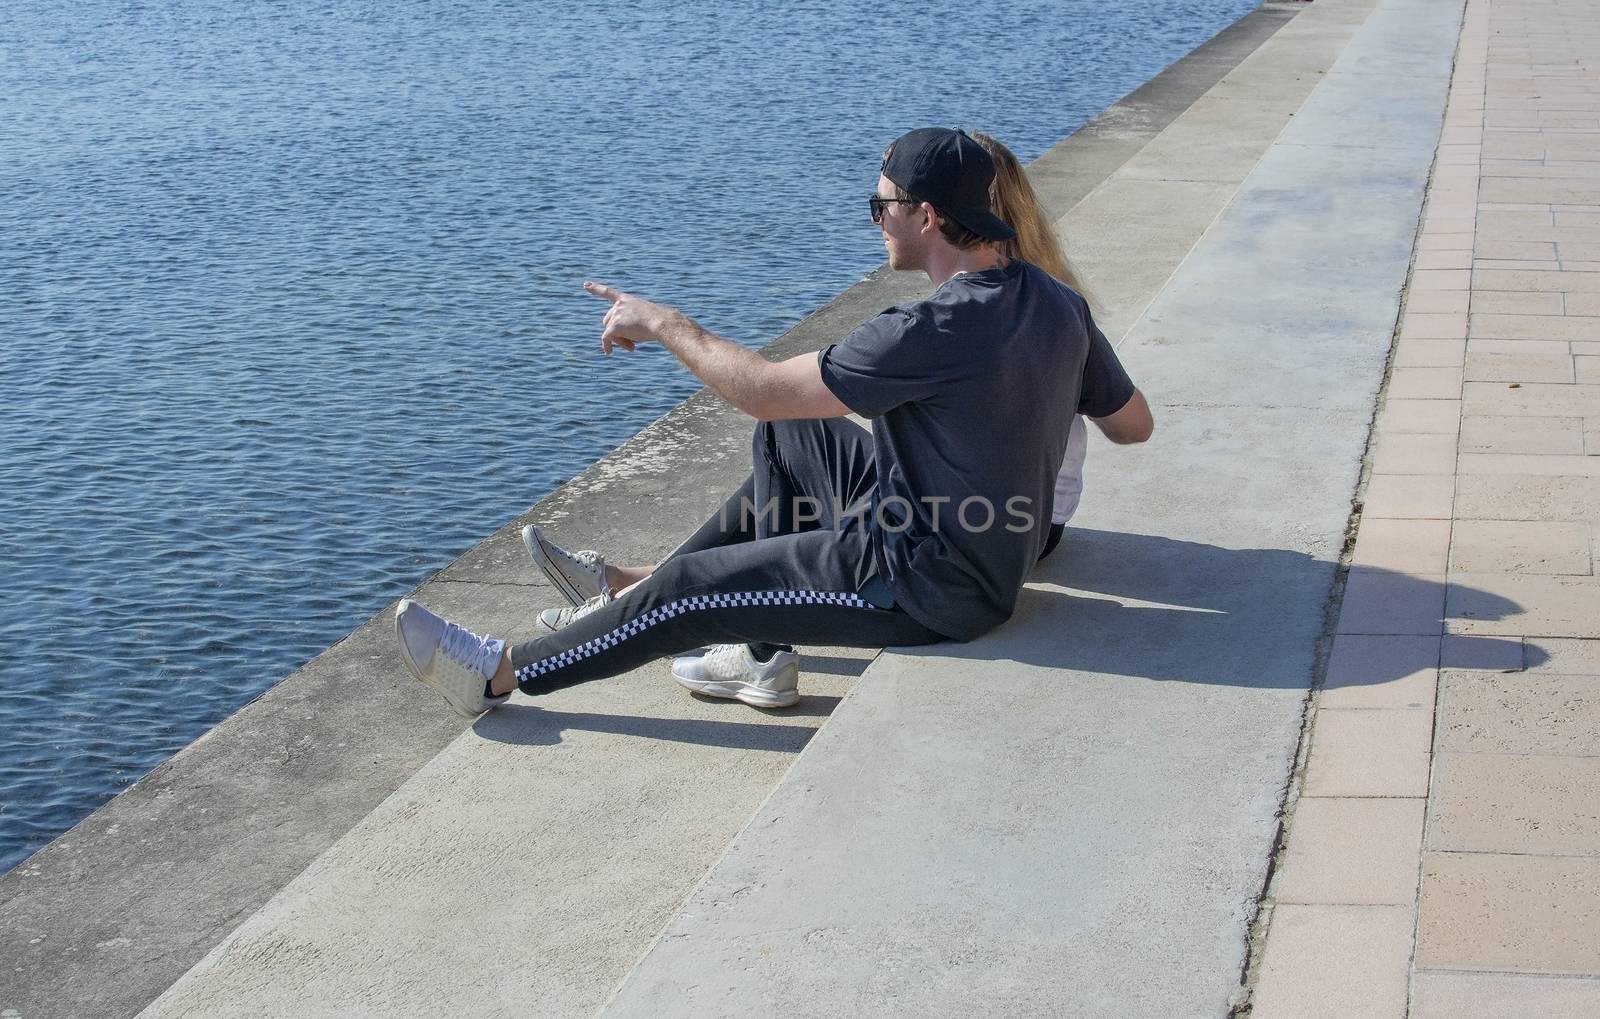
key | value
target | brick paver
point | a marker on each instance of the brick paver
(1454, 758)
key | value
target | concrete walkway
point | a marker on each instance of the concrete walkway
(1444, 855)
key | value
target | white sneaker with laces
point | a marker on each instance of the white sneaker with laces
(454, 661)
(555, 619)
(732, 672)
(579, 576)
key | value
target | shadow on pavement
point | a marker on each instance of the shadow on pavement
(1200, 613)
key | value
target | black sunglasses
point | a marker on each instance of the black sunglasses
(877, 205)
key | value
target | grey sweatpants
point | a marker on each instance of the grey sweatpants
(788, 560)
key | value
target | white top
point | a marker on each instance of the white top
(1069, 483)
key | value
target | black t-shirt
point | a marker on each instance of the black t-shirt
(972, 391)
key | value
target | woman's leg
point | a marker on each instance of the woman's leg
(791, 589)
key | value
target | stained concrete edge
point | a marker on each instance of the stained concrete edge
(103, 919)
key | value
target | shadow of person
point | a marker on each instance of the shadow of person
(1159, 608)
(535, 725)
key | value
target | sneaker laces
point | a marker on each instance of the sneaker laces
(468, 649)
(588, 558)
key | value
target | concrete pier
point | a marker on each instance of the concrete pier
(1198, 771)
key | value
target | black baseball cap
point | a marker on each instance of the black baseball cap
(946, 168)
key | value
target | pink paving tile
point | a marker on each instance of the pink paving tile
(1404, 546)
(1378, 601)
(1427, 417)
(1424, 384)
(1401, 453)
(1369, 752)
(1414, 353)
(1409, 496)
(1381, 671)
(1356, 850)
(1334, 962)
(1433, 326)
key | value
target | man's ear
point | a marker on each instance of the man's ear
(931, 222)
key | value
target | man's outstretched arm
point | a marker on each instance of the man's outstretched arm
(765, 390)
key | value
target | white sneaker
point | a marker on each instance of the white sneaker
(731, 671)
(579, 576)
(454, 661)
(555, 619)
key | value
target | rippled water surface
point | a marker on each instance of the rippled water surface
(289, 307)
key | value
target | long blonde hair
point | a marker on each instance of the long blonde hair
(1014, 201)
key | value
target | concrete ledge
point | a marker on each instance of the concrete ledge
(104, 919)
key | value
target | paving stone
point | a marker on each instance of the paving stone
(1413, 353)
(1403, 453)
(1440, 302)
(1334, 962)
(1459, 652)
(1431, 417)
(1449, 279)
(1443, 260)
(1493, 302)
(1436, 241)
(1518, 367)
(1564, 656)
(1425, 384)
(1440, 994)
(1409, 496)
(1531, 399)
(1514, 263)
(1482, 345)
(1381, 671)
(1534, 914)
(1376, 752)
(1482, 433)
(1532, 250)
(1426, 326)
(1358, 851)
(1405, 546)
(1582, 304)
(1384, 602)
(1518, 713)
(1498, 803)
(1517, 604)
(1520, 546)
(1498, 222)
(1534, 327)
(1587, 369)
(1487, 496)
(1570, 466)
(1530, 279)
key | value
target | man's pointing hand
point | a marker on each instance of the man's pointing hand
(630, 320)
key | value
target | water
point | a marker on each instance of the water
(289, 306)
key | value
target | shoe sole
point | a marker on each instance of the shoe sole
(547, 565)
(755, 696)
(436, 687)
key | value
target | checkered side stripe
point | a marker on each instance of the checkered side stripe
(671, 610)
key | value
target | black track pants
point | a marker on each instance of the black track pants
(787, 572)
